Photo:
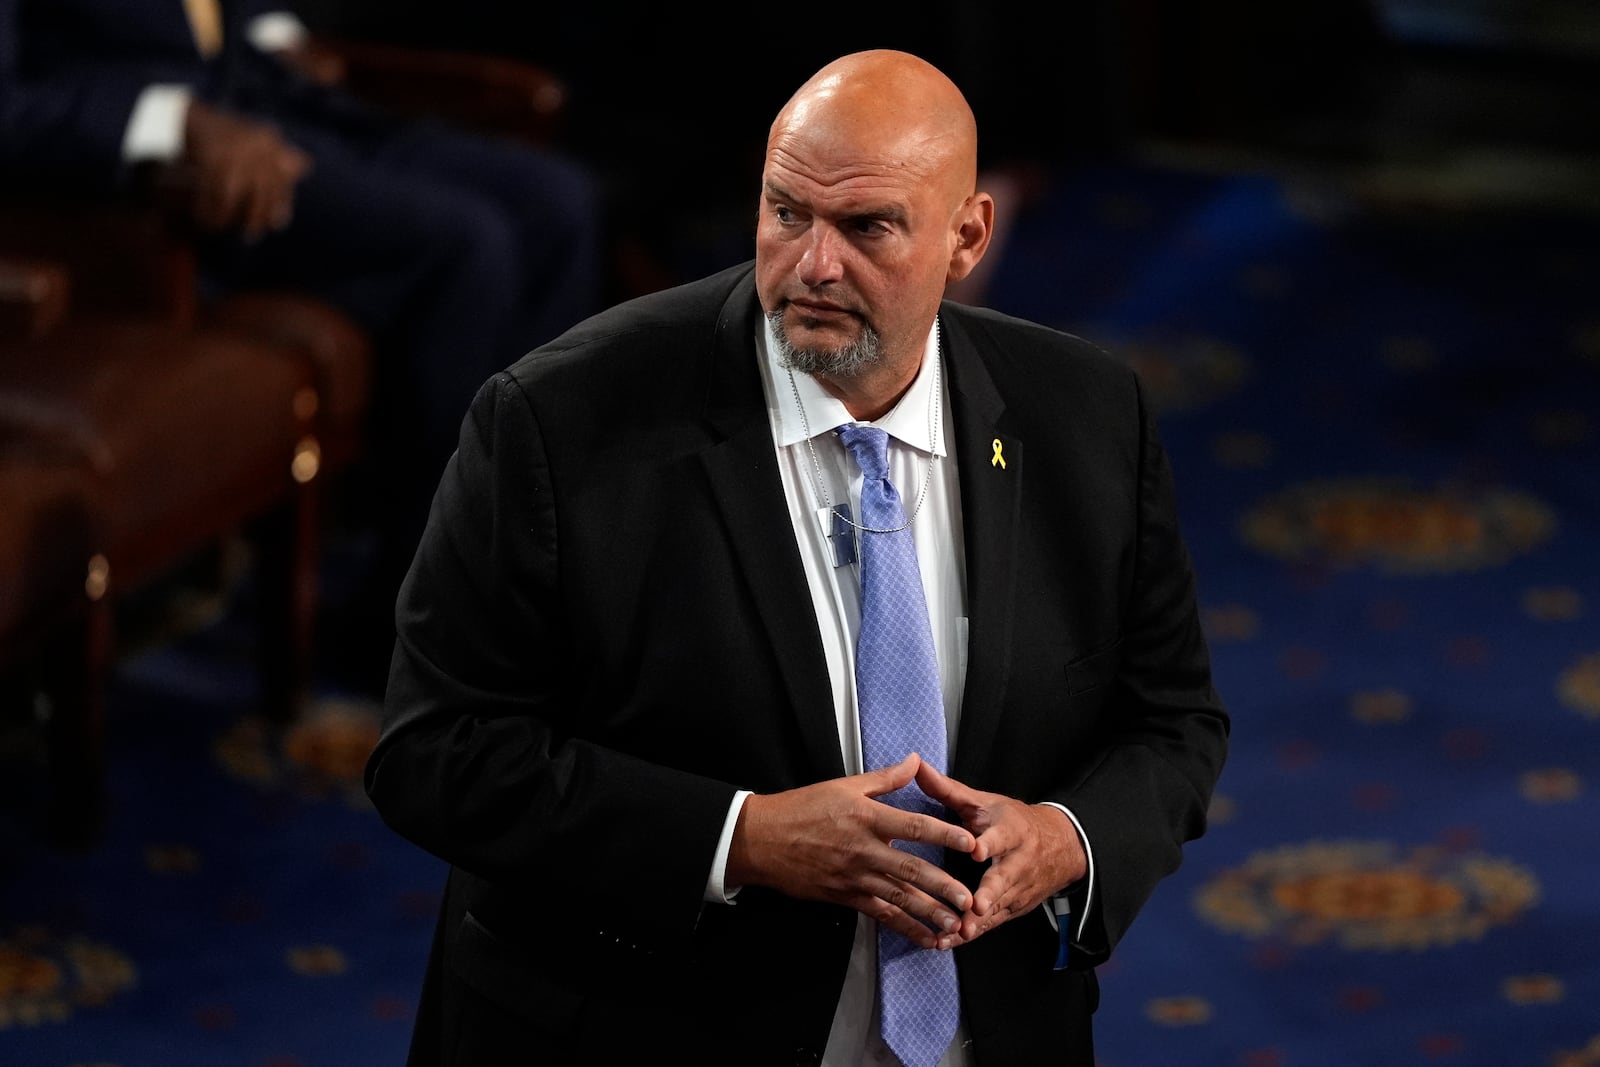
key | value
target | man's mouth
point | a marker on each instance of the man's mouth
(820, 312)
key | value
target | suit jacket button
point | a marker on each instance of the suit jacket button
(807, 1057)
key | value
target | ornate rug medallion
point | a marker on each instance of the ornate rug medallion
(1367, 895)
(44, 979)
(1396, 526)
(320, 756)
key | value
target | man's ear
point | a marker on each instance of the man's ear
(974, 226)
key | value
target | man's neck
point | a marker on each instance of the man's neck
(868, 397)
(873, 394)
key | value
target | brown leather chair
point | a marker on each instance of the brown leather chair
(153, 422)
(490, 93)
(126, 446)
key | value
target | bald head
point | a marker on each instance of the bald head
(869, 208)
(884, 108)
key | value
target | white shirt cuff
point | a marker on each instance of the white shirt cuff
(155, 130)
(276, 31)
(1088, 878)
(716, 885)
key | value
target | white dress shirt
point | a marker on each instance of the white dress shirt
(823, 474)
(815, 477)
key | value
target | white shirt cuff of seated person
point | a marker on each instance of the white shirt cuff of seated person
(276, 31)
(155, 129)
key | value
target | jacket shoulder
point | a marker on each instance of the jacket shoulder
(646, 362)
(654, 322)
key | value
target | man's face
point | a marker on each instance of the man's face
(848, 247)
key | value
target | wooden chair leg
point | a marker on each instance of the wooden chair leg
(76, 665)
(287, 564)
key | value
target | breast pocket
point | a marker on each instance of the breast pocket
(1095, 671)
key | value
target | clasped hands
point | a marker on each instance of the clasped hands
(832, 841)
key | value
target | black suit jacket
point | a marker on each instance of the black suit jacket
(607, 631)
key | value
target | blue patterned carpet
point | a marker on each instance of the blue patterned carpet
(1386, 432)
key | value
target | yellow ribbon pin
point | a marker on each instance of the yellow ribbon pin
(998, 460)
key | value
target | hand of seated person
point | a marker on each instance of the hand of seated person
(241, 172)
(320, 64)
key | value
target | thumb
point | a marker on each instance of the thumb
(296, 164)
(941, 787)
(895, 776)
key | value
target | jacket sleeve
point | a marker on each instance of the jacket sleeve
(1166, 733)
(486, 755)
(68, 122)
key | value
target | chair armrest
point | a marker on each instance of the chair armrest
(33, 297)
(492, 93)
(125, 256)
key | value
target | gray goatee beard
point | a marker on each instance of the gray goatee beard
(847, 362)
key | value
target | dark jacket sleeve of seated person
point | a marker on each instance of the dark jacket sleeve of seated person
(72, 71)
(607, 631)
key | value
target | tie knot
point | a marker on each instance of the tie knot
(870, 447)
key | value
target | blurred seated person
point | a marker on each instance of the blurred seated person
(451, 248)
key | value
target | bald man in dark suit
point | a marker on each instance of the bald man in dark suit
(623, 704)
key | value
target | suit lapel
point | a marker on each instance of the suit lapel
(991, 495)
(742, 469)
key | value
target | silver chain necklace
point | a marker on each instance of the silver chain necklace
(927, 472)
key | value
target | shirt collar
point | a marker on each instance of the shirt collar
(907, 422)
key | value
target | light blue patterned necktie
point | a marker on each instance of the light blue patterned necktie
(900, 705)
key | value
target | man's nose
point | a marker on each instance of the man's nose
(823, 258)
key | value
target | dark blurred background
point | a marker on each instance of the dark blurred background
(1494, 102)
